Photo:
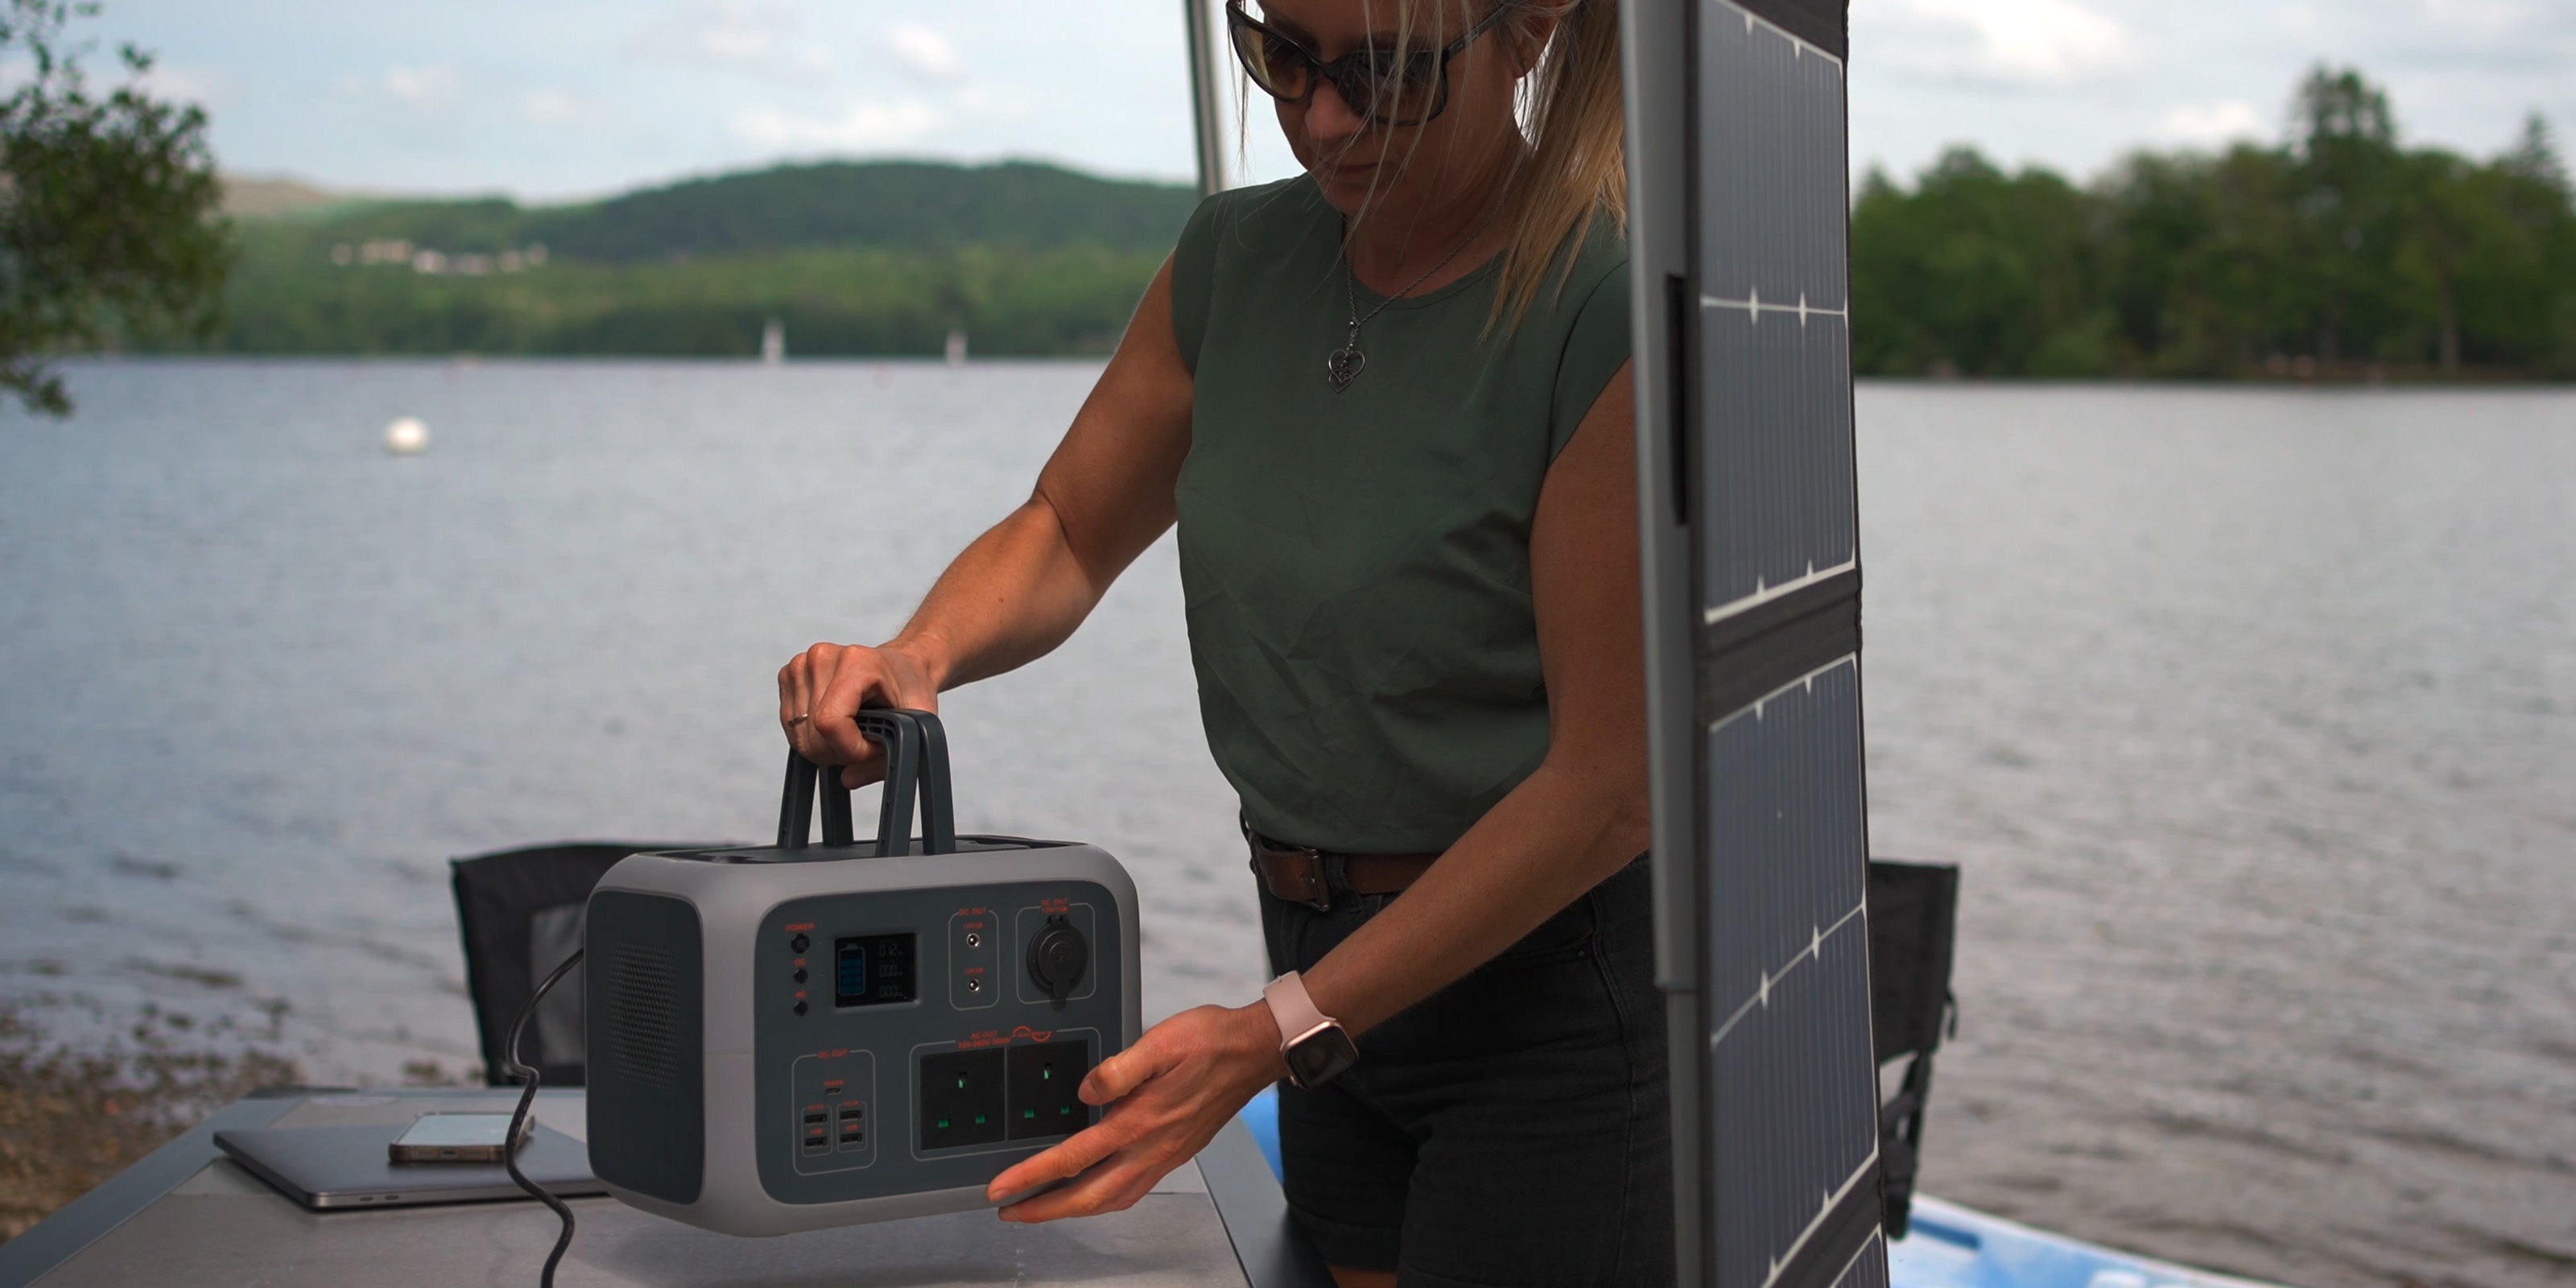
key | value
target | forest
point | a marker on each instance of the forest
(2337, 253)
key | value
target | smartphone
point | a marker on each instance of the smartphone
(457, 1138)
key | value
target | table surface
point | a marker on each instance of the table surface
(188, 1215)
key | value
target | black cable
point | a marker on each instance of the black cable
(527, 1073)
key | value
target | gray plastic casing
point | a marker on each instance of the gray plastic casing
(737, 901)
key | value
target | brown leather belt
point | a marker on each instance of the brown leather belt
(1304, 874)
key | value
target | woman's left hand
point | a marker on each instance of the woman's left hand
(1167, 1097)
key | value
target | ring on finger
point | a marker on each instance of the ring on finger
(800, 718)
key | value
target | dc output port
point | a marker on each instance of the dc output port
(1058, 958)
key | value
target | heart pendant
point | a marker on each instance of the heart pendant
(1344, 367)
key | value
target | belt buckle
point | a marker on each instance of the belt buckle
(1316, 878)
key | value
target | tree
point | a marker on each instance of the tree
(1977, 272)
(2350, 170)
(107, 206)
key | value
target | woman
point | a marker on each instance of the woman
(1387, 405)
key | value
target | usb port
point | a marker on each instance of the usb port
(816, 1117)
(853, 1136)
(833, 1087)
(852, 1113)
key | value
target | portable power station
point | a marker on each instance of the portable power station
(796, 1036)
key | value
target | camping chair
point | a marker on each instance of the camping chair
(520, 913)
(1913, 926)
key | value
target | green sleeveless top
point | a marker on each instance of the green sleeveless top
(1356, 565)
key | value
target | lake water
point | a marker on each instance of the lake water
(2251, 715)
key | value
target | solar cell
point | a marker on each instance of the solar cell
(1787, 861)
(1776, 439)
(1869, 1269)
(1774, 335)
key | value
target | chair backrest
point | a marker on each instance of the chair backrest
(1913, 929)
(520, 914)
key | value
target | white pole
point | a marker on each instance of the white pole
(1207, 82)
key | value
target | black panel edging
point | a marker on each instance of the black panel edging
(1751, 654)
(1820, 1261)
(1679, 311)
(1825, 24)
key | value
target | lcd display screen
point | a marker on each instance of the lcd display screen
(872, 970)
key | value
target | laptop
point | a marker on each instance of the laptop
(335, 1168)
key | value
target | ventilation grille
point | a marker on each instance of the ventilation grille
(643, 1015)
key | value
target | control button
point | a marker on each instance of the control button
(800, 974)
(1058, 957)
(800, 943)
(800, 1008)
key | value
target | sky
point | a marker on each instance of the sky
(559, 99)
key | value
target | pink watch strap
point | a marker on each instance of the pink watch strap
(1292, 1010)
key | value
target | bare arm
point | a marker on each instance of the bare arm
(1021, 588)
(1578, 818)
(1583, 814)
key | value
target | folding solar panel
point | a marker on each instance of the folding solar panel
(1739, 233)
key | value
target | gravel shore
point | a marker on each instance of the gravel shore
(71, 1119)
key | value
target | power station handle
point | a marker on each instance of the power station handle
(916, 751)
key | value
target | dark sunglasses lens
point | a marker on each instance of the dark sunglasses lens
(1404, 90)
(1274, 63)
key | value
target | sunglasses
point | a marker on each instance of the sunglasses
(1383, 88)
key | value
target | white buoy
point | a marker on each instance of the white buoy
(773, 343)
(957, 347)
(407, 437)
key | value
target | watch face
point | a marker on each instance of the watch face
(1321, 1057)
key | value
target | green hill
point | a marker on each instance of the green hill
(855, 258)
(884, 205)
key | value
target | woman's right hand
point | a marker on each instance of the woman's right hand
(821, 690)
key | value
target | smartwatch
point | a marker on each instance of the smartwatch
(1313, 1043)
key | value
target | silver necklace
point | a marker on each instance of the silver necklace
(1347, 362)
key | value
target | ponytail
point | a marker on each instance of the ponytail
(1577, 170)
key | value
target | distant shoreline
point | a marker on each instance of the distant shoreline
(2351, 380)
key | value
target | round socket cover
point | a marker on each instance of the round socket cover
(1058, 956)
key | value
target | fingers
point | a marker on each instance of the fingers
(817, 670)
(1077, 1154)
(820, 693)
(1114, 1077)
(859, 677)
(795, 696)
(1113, 1188)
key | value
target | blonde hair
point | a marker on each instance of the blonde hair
(1574, 168)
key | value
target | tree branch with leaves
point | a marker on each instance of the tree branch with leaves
(108, 223)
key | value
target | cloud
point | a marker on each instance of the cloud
(556, 107)
(2021, 42)
(865, 126)
(432, 86)
(923, 50)
(2208, 124)
(757, 36)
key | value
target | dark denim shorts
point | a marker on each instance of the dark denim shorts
(1514, 1127)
